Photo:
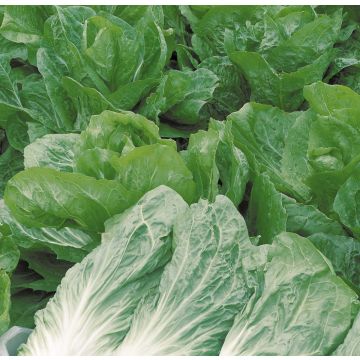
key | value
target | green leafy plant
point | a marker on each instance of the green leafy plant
(179, 180)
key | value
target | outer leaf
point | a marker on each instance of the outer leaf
(55, 151)
(260, 131)
(200, 158)
(267, 215)
(181, 96)
(346, 203)
(232, 92)
(24, 24)
(9, 254)
(147, 167)
(11, 162)
(4, 301)
(201, 289)
(344, 254)
(351, 344)
(279, 89)
(68, 244)
(312, 307)
(231, 162)
(41, 197)
(110, 281)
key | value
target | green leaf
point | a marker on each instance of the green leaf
(346, 203)
(56, 151)
(232, 92)
(231, 162)
(333, 140)
(9, 254)
(261, 132)
(279, 89)
(110, 281)
(351, 344)
(267, 215)
(11, 162)
(65, 199)
(4, 301)
(52, 69)
(217, 165)
(303, 296)
(181, 97)
(200, 158)
(24, 305)
(47, 266)
(344, 254)
(149, 166)
(113, 131)
(67, 243)
(201, 289)
(24, 24)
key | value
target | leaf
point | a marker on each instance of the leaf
(267, 215)
(201, 289)
(232, 92)
(345, 203)
(303, 295)
(333, 140)
(52, 69)
(261, 132)
(181, 97)
(41, 197)
(200, 158)
(56, 151)
(344, 254)
(279, 89)
(9, 254)
(4, 301)
(11, 162)
(351, 345)
(114, 131)
(231, 162)
(24, 24)
(217, 165)
(24, 305)
(68, 243)
(146, 167)
(111, 280)
(47, 266)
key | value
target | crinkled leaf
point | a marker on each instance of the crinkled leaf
(43, 197)
(55, 151)
(201, 289)
(312, 307)
(111, 281)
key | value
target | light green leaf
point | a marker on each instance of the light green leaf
(346, 203)
(201, 289)
(267, 215)
(149, 166)
(4, 301)
(42, 197)
(54, 151)
(312, 307)
(9, 254)
(181, 97)
(260, 131)
(351, 344)
(94, 316)
(67, 243)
